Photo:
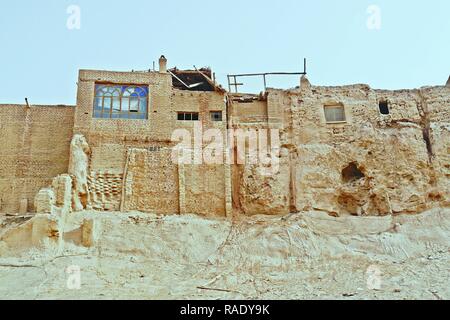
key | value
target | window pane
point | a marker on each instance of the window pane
(118, 101)
(99, 89)
(116, 104)
(134, 104)
(137, 116)
(181, 116)
(143, 92)
(216, 116)
(334, 113)
(98, 103)
(195, 116)
(107, 103)
(188, 116)
(126, 92)
(125, 104)
(143, 105)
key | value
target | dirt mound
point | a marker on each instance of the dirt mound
(303, 256)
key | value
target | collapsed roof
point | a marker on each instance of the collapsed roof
(194, 80)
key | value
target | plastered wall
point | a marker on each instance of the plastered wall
(403, 155)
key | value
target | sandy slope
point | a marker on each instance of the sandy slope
(304, 256)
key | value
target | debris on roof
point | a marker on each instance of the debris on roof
(194, 80)
(248, 98)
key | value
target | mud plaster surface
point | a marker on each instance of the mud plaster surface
(303, 256)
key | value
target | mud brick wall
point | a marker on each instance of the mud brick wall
(205, 189)
(34, 149)
(151, 182)
(105, 189)
(249, 112)
(403, 156)
(159, 125)
(155, 182)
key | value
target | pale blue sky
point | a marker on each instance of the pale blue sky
(40, 57)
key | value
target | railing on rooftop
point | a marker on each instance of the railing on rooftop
(233, 78)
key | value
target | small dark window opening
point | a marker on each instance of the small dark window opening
(216, 115)
(154, 148)
(187, 116)
(352, 173)
(384, 107)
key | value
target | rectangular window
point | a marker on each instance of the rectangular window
(334, 113)
(121, 102)
(216, 115)
(188, 116)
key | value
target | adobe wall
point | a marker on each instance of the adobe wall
(138, 150)
(402, 158)
(34, 149)
(160, 91)
(201, 102)
(206, 189)
(151, 182)
(404, 155)
(249, 113)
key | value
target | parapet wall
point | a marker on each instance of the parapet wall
(34, 149)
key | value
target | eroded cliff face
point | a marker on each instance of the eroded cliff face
(265, 194)
(369, 164)
(305, 256)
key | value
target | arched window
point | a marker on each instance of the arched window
(120, 102)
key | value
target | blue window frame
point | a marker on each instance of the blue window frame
(120, 102)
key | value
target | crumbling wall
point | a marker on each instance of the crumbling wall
(400, 158)
(369, 164)
(151, 182)
(262, 193)
(105, 190)
(249, 112)
(34, 146)
(438, 107)
(204, 187)
(79, 170)
(154, 183)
